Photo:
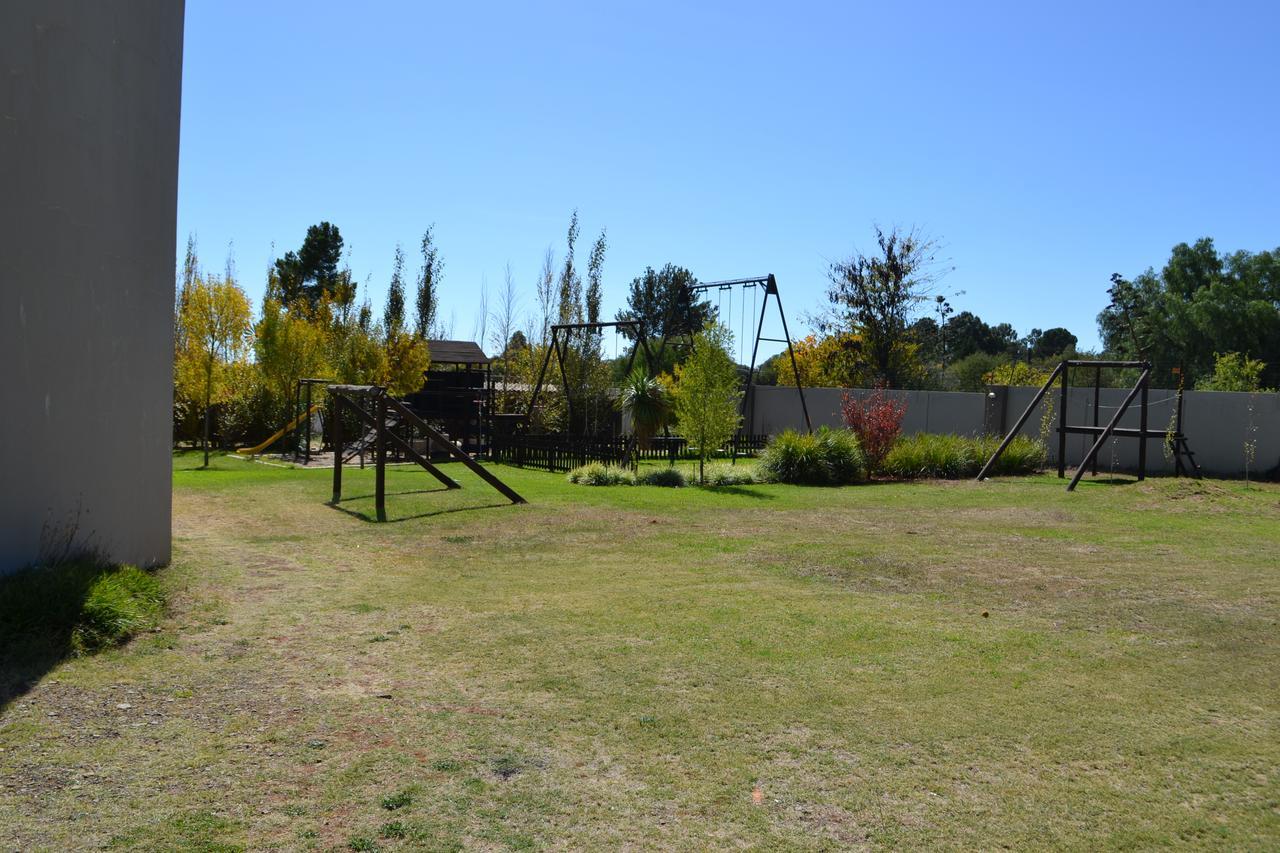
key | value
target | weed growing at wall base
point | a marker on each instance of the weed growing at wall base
(78, 606)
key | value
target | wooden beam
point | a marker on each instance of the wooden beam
(337, 446)
(411, 453)
(454, 451)
(380, 460)
(1106, 433)
(1022, 419)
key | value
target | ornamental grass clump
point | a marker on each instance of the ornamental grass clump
(825, 458)
(672, 478)
(599, 474)
(957, 457)
(729, 475)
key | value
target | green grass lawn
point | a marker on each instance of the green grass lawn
(916, 665)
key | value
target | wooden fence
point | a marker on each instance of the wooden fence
(564, 453)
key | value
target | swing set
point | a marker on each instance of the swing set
(584, 438)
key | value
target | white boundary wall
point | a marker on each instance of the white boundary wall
(1217, 424)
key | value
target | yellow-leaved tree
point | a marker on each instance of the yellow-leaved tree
(290, 346)
(216, 326)
(406, 360)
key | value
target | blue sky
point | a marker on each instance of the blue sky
(1046, 145)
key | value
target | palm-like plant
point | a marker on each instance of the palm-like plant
(647, 401)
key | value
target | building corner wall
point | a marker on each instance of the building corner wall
(90, 100)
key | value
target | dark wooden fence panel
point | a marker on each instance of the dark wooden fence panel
(564, 453)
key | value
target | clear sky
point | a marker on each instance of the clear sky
(1046, 145)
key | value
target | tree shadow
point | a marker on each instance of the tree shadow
(391, 494)
(1108, 481)
(742, 491)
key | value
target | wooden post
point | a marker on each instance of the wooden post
(1107, 430)
(336, 415)
(380, 458)
(1022, 419)
(306, 459)
(1097, 401)
(1142, 427)
(1062, 423)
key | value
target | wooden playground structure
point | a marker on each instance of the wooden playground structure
(379, 411)
(1184, 459)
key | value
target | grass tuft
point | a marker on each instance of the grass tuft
(398, 800)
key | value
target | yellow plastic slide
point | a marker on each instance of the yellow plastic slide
(285, 430)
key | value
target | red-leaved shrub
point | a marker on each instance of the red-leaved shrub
(877, 421)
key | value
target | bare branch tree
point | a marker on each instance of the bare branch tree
(876, 295)
(548, 306)
(481, 322)
(504, 316)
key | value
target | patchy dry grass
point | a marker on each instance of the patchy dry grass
(926, 665)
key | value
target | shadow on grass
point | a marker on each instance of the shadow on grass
(743, 491)
(78, 606)
(1108, 481)
(371, 495)
(372, 519)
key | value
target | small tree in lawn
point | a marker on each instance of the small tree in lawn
(707, 393)
(877, 421)
(216, 322)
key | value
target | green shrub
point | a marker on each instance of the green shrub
(672, 478)
(826, 458)
(956, 457)
(599, 474)
(729, 475)
(80, 606)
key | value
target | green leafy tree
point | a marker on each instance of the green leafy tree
(876, 296)
(289, 345)
(660, 301)
(216, 321)
(1199, 304)
(1234, 372)
(429, 277)
(393, 316)
(570, 293)
(707, 393)
(407, 359)
(1052, 343)
(595, 270)
(970, 372)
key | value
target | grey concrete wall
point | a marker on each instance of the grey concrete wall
(90, 101)
(777, 408)
(1217, 424)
